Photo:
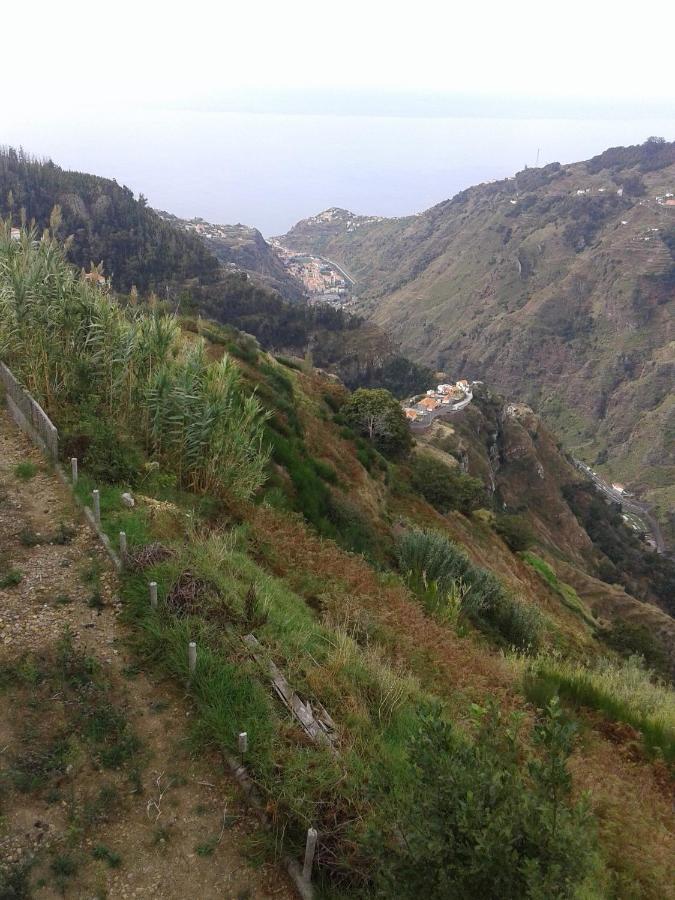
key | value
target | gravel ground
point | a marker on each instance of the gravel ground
(184, 831)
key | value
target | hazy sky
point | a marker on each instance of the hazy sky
(76, 52)
(380, 107)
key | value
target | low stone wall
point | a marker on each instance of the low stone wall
(29, 415)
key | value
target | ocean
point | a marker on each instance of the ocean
(270, 170)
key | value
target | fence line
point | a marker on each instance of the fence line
(29, 415)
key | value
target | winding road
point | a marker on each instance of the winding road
(630, 505)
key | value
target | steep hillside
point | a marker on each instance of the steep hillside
(357, 351)
(106, 222)
(556, 285)
(439, 615)
(242, 248)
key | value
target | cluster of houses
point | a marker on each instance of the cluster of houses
(444, 398)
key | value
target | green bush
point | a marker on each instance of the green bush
(25, 470)
(433, 563)
(446, 487)
(378, 416)
(325, 470)
(516, 531)
(630, 639)
(103, 453)
(289, 363)
(479, 820)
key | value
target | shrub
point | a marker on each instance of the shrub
(104, 454)
(325, 470)
(630, 639)
(444, 487)
(479, 821)
(11, 579)
(515, 531)
(289, 363)
(433, 563)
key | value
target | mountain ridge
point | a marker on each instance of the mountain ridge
(555, 284)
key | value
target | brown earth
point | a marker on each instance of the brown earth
(174, 819)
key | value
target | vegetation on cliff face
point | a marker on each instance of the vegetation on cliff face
(243, 248)
(555, 286)
(85, 356)
(360, 353)
(407, 659)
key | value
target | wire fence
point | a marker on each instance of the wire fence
(29, 415)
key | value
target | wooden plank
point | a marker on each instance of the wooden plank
(316, 723)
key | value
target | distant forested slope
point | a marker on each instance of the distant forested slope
(107, 223)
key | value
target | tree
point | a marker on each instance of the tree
(444, 487)
(377, 415)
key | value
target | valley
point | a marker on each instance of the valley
(460, 597)
(556, 285)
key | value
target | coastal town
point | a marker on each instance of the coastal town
(421, 410)
(323, 280)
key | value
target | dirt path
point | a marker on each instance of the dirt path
(100, 793)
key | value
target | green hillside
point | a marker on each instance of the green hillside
(242, 248)
(556, 286)
(105, 223)
(440, 605)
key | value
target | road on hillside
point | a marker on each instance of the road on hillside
(429, 418)
(630, 505)
(346, 274)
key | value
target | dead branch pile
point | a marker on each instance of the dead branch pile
(146, 556)
(189, 595)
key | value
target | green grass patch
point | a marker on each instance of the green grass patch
(105, 854)
(25, 470)
(11, 579)
(624, 692)
(442, 575)
(566, 592)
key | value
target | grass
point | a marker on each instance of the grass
(105, 854)
(25, 470)
(28, 537)
(206, 848)
(377, 707)
(11, 579)
(624, 691)
(96, 601)
(84, 717)
(565, 591)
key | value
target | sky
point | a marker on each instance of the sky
(265, 112)
(134, 53)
